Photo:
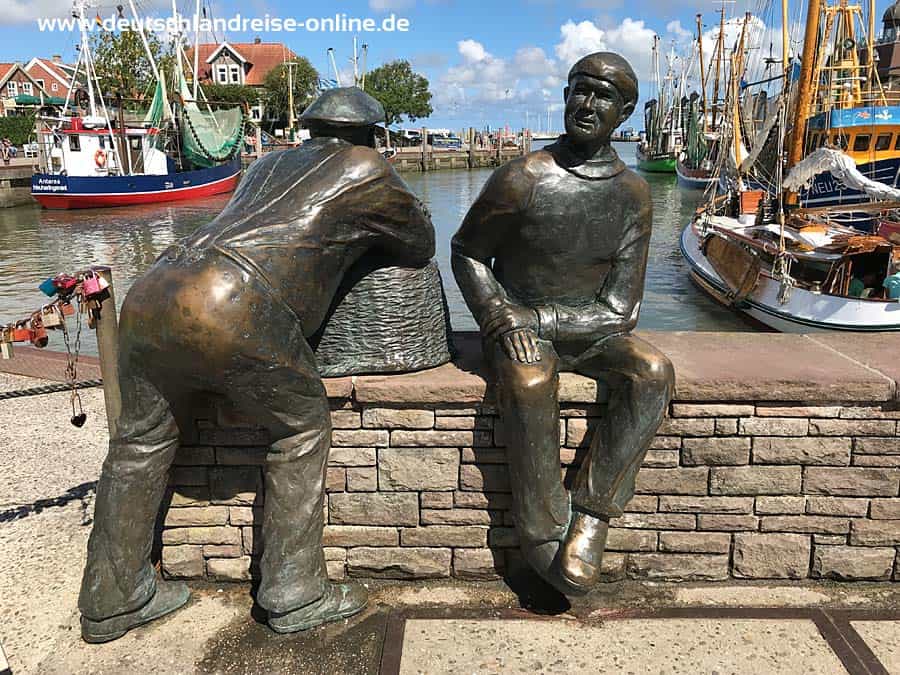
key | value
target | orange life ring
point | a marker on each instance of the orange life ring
(100, 158)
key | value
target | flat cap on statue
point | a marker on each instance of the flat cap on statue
(612, 68)
(349, 106)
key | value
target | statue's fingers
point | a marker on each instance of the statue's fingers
(519, 346)
(527, 346)
(509, 348)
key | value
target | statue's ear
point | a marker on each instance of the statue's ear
(627, 109)
(566, 94)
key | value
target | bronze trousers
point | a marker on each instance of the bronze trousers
(641, 383)
(246, 346)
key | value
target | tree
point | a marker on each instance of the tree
(122, 65)
(401, 91)
(231, 93)
(305, 83)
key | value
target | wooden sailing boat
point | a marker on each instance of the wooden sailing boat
(656, 153)
(792, 268)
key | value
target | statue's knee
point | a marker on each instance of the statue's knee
(659, 374)
(537, 377)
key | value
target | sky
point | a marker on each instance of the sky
(489, 63)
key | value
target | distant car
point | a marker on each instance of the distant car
(444, 142)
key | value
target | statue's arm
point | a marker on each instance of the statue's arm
(475, 245)
(617, 304)
(399, 221)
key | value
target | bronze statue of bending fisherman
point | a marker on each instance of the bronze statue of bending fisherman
(229, 311)
(551, 260)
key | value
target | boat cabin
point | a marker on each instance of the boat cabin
(88, 146)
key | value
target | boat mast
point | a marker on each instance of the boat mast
(720, 53)
(196, 77)
(785, 46)
(675, 111)
(702, 67)
(140, 26)
(86, 53)
(657, 121)
(179, 65)
(737, 69)
(806, 85)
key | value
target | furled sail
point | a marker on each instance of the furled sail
(844, 170)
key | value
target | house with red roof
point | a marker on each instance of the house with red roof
(18, 89)
(243, 63)
(52, 74)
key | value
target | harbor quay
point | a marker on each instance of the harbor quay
(789, 471)
(772, 484)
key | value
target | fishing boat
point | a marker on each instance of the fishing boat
(847, 107)
(91, 157)
(658, 151)
(788, 266)
(697, 165)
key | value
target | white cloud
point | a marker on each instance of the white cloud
(532, 61)
(390, 5)
(679, 31)
(579, 39)
(481, 84)
(472, 51)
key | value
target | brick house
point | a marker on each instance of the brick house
(242, 63)
(16, 81)
(52, 74)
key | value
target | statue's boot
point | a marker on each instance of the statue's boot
(169, 596)
(540, 557)
(339, 602)
(578, 564)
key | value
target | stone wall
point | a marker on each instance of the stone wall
(736, 485)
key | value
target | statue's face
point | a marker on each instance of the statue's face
(594, 108)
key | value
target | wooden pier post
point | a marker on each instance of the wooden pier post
(471, 141)
(108, 348)
(425, 166)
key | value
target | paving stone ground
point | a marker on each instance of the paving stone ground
(883, 638)
(636, 646)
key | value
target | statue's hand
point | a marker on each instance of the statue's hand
(509, 317)
(521, 345)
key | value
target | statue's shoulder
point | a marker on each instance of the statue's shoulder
(635, 184)
(538, 162)
(524, 170)
(367, 160)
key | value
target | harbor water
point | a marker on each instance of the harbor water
(36, 244)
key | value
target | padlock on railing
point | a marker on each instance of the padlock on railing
(66, 309)
(6, 343)
(48, 287)
(90, 286)
(21, 332)
(93, 284)
(39, 337)
(65, 284)
(51, 316)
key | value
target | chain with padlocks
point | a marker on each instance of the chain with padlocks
(87, 289)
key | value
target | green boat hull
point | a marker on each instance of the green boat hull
(657, 165)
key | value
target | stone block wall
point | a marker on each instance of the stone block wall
(417, 486)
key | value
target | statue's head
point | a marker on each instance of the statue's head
(601, 94)
(347, 113)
